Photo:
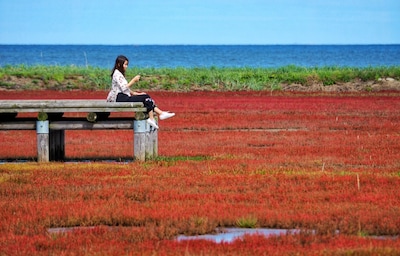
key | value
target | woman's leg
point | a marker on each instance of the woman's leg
(145, 99)
(158, 111)
(121, 97)
(147, 102)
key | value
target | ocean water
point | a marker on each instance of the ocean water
(190, 56)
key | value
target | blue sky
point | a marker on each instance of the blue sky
(200, 22)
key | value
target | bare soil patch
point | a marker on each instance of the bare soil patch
(387, 84)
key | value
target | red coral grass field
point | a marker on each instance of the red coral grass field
(327, 165)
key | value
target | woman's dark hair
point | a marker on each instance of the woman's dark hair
(119, 64)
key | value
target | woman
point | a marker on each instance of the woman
(121, 92)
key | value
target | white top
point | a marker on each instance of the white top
(118, 85)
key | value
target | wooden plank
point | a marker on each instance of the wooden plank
(18, 125)
(70, 110)
(66, 104)
(70, 124)
(85, 125)
(61, 106)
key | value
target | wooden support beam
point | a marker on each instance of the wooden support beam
(139, 139)
(42, 131)
(151, 143)
(155, 143)
(120, 124)
(61, 106)
(18, 125)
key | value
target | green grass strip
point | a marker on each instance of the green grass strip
(186, 79)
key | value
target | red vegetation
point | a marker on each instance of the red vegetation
(326, 163)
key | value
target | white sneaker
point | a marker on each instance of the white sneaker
(165, 115)
(152, 123)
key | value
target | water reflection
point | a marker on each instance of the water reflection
(230, 234)
(226, 235)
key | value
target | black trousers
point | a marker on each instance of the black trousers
(147, 101)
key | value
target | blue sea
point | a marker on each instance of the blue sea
(189, 56)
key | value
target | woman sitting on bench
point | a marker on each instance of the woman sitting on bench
(121, 92)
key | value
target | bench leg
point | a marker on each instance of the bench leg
(145, 141)
(139, 140)
(155, 143)
(42, 132)
(151, 144)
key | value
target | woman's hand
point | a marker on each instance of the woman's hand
(136, 79)
(137, 93)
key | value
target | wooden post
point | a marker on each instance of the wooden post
(42, 131)
(155, 143)
(151, 143)
(57, 145)
(139, 140)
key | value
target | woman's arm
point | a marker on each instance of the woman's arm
(137, 93)
(134, 80)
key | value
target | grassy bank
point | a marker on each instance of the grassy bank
(186, 79)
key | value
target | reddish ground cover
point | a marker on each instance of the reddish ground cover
(323, 162)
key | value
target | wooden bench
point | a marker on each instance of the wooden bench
(50, 123)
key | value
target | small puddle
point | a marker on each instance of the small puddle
(230, 234)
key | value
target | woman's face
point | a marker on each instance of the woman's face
(125, 66)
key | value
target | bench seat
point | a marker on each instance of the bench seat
(92, 107)
(56, 106)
